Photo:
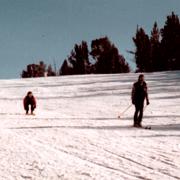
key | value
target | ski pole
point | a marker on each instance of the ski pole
(124, 111)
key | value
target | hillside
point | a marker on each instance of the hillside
(76, 135)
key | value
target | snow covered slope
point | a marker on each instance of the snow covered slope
(76, 134)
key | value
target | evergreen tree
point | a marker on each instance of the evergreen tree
(107, 57)
(156, 57)
(37, 70)
(66, 69)
(24, 74)
(50, 71)
(143, 51)
(41, 69)
(171, 42)
(78, 61)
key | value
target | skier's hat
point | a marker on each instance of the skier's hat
(29, 92)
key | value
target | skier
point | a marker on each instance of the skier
(29, 100)
(139, 94)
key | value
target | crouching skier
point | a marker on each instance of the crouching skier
(29, 100)
(139, 94)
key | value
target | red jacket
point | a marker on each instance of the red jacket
(29, 101)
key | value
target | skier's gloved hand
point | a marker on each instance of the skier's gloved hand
(147, 102)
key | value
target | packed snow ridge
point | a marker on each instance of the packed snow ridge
(76, 135)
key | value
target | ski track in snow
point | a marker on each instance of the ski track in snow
(76, 134)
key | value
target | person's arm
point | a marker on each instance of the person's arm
(24, 102)
(34, 102)
(133, 94)
(147, 98)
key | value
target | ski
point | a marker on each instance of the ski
(147, 127)
(30, 114)
(143, 127)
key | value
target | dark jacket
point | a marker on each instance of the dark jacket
(29, 101)
(139, 93)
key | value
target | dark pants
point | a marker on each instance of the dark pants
(27, 108)
(138, 115)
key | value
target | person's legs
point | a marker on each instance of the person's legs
(32, 109)
(136, 115)
(140, 114)
(27, 108)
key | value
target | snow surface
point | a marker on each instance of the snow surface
(76, 134)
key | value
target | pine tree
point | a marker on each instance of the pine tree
(41, 69)
(50, 71)
(24, 74)
(156, 57)
(37, 70)
(66, 69)
(143, 51)
(171, 42)
(107, 57)
(78, 61)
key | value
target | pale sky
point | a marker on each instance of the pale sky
(33, 30)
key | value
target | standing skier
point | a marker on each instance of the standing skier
(29, 100)
(139, 94)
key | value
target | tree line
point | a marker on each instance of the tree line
(104, 58)
(159, 51)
